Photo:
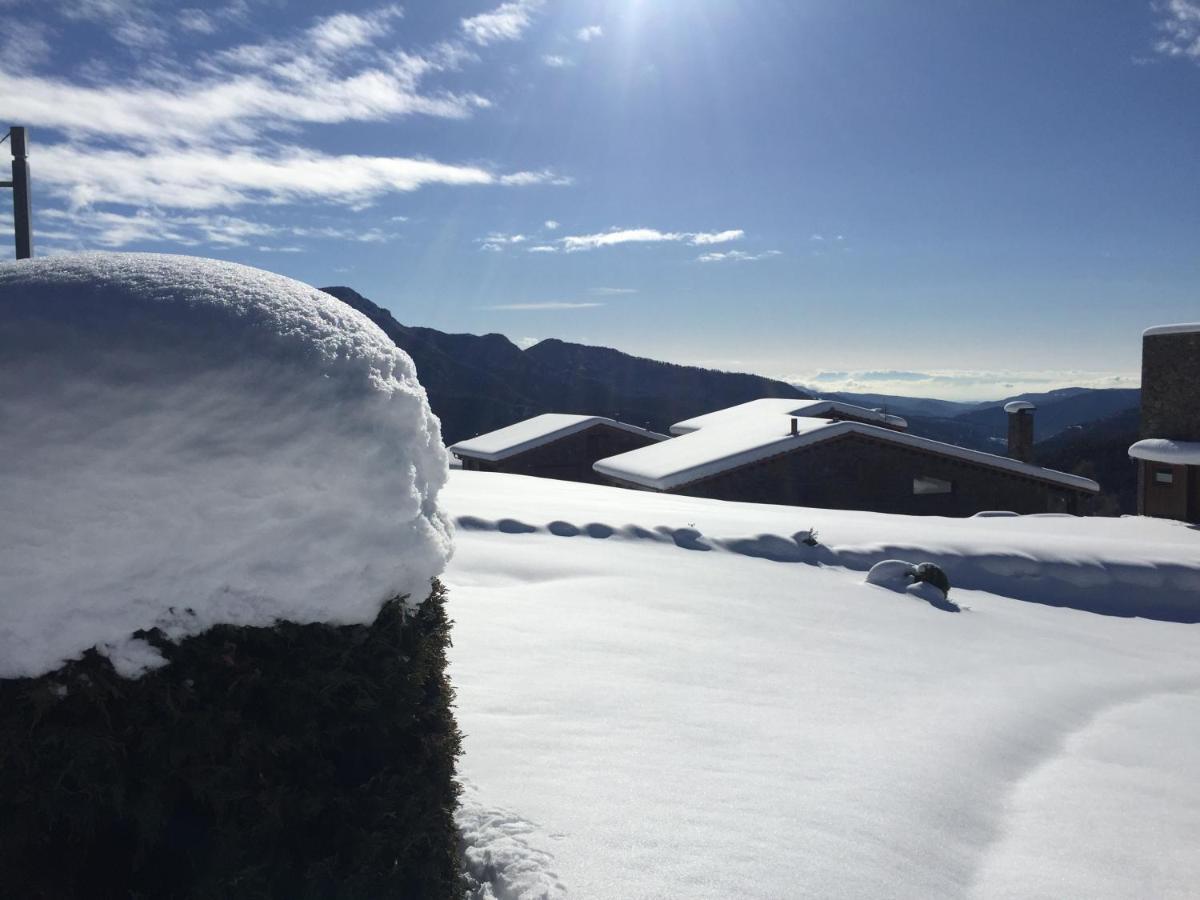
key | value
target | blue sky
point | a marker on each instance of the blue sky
(952, 198)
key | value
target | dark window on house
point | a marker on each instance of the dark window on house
(924, 484)
(1164, 476)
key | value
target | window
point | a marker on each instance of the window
(923, 484)
(1164, 476)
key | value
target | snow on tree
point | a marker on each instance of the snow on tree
(188, 442)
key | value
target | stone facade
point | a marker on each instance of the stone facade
(569, 458)
(1171, 386)
(1171, 410)
(858, 472)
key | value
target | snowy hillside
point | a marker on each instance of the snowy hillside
(187, 442)
(672, 697)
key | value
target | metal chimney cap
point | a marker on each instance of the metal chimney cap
(1016, 406)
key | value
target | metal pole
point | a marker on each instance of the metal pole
(22, 204)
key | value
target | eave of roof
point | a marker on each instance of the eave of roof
(1172, 453)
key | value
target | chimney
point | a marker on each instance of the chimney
(1020, 429)
(795, 427)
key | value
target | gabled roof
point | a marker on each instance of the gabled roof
(517, 438)
(756, 409)
(710, 451)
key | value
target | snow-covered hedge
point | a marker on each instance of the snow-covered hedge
(225, 482)
(187, 442)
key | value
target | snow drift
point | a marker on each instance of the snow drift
(189, 442)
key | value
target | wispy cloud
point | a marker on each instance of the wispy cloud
(525, 179)
(203, 178)
(550, 305)
(114, 229)
(589, 33)
(736, 256)
(495, 242)
(226, 131)
(575, 243)
(612, 291)
(550, 225)
(554, 61)
(1179, 24)
(506, 22)
(543, 248)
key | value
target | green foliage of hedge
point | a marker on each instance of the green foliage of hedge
(294, 761)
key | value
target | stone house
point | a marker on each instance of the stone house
(1168, 454)
(846, 464)
(553, 445)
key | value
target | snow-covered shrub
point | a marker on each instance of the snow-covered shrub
(932, 574)
(298, 761)
(925, 581)
(225, 482)
(187, 442)
(807, 537)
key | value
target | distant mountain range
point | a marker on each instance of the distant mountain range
(477, 383)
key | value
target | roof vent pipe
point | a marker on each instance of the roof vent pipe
(795, 427)
(1020, 429)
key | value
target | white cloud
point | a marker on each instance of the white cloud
(550, 305)
(496, 241)
(202, 178)
(612, 238)
(525, 179)
(550, 225)
(1180, 28)
(197, 21)
(526, 342)
(612, 291)
(556, 62)
(226, 131)
(506, 22)
(720, 237)
(24, 43)
(245, 92)
(543, 248)
(346, 31)
(589, 33)
(104, 228)
(736, 256)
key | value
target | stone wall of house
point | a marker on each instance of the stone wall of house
(569, 458)
(1171, 386)
(857, 472)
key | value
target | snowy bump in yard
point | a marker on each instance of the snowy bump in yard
(189, 442)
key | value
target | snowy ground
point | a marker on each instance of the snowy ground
(667, 697)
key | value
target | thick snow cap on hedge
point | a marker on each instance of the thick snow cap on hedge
(188, 442)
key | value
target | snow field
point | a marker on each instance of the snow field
(690, 722)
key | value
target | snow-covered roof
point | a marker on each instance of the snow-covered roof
(1160, 450)
(756, 409)
(1016, 406)
(521, 436)
(1181, 328)
(709, 451)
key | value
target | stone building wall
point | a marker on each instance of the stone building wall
(1171, 386)
(857, 472)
